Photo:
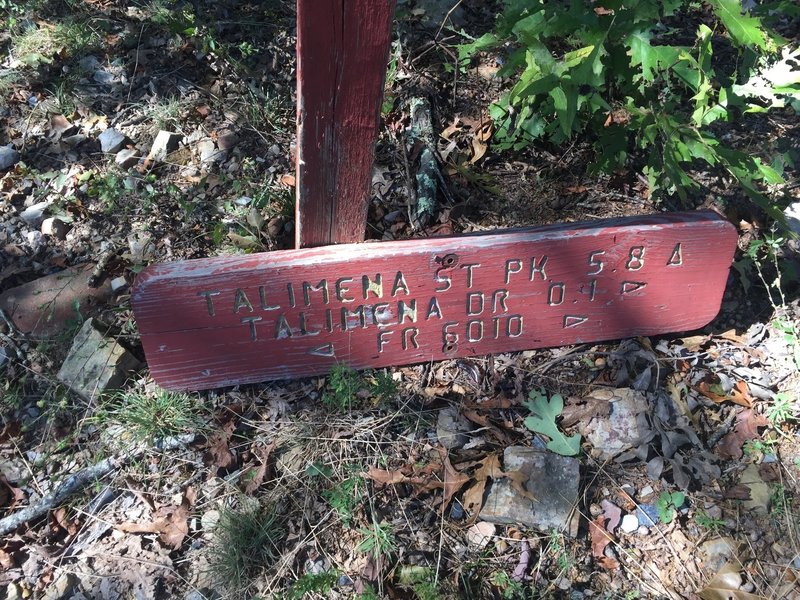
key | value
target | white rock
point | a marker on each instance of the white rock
(118, 284)
(8, 157)
(164, 143)
(480, 534)
(55, 227)
(646, 491)
(629, 523)
(207, 150)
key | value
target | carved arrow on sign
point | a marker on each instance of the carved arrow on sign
(244, 319)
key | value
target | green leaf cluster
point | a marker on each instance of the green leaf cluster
(620, 73)
(543, 417)
(668, 504)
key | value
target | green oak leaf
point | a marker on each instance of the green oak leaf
(744, 29)
(543, 420)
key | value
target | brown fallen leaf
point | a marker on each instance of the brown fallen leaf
(218, 451)
(746, 428)
(171, 522)
(600, 537)
(453, 480)
(490, 469)
(479, 149)
(252, 477)
(725, 586)
(739, 394)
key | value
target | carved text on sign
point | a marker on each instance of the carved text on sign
(243, 319)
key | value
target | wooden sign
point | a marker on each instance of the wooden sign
(222, 321)
(342, 51)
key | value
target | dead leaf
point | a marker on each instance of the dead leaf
(218, 452)
(746, 428)
(253, 477)
(739, 394)
(171, 522)
(480, 534)
(385, 476)
(288, 180)
(725, 586)
(10, 495)
(600, 537)
(479, 149)
(453, 480)
(451, 129)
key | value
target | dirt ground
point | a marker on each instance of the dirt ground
(338, 487)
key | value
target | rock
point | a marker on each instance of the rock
(164, 143)
(61, 588)
(127, 158)
(111, 140)
(95, 363)
(623, 428)
(226, 140)
(208, 151)
(452, 428)
(46, 306)
(34, 214)
(792, 214)
(3, 357)
(119, 284)
(716, 552)
(8, 157)
(553, 481)
(55, 227)
(103, 77)
(480, 534)
(629, 523)
(647, 514)
(35, 238)
(760, 494)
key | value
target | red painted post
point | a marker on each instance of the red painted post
(342, 52)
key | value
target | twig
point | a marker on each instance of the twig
(75, 483)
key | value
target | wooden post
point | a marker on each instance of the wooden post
(342, 52)
(243, 319)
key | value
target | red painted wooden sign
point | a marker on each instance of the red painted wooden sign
(222, 321)
(342, 51)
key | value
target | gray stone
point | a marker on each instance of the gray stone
(8, 157)
(164, 143)
(95, 363)
(452, 428)
(34, 214)
(111, 140)
(622, 429)
(103, 77)
(35, 238)
(55, 227)
(127, 158)
(61, 588)
(553, 481)
(208, 151)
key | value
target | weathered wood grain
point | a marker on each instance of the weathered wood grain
(342, 52)
(222, 321)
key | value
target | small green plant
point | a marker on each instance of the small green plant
(510, 589)
(779, 501)
(343, 384)
(384, 387)
(756, 447)
(668, 504)
(421, 580)
(543, 420)
(246, 542)
(708, 522)
(155, 415)
(782, 409)
(312, 583)
(344, 497)
(556, 548)
(378, 540)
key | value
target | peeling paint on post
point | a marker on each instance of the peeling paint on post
(244, 319)
(342, 52)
